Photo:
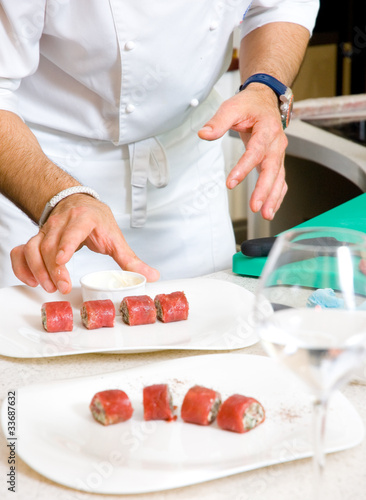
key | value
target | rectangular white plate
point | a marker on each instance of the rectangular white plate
(58, 437)
(219, 319)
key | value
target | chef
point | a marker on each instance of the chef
(109, 131)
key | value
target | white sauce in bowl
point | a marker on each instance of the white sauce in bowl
(113, 285)
(112, 280)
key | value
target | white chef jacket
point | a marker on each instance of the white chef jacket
(115, 92)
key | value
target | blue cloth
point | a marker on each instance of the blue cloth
(326, 298)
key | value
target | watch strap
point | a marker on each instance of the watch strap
(268, 80)
(50, 205)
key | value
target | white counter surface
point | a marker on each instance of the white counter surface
(345, 472)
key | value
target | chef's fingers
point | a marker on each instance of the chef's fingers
(48, 249)
(32, 262)
(267, 154)
(265, 151)
(21, 268)
(274, 189)
(105, 242)
(282, 196)
(129, 261)
(271, 181)
(100, 233)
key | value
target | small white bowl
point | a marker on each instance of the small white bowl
(113, 285)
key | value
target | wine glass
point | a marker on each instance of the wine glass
(310, 313)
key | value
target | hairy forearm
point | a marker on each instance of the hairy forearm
(275, 48)
(27, 177)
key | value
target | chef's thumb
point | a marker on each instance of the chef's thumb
(222, 121)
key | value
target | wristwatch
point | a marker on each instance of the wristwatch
(285, 95)
(50, 205)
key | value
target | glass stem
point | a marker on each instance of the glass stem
(320, 413)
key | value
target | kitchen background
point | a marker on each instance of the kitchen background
(335, 65)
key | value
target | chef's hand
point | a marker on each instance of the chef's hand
(76, 221)
(255, 115)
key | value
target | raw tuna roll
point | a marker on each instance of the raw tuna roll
(57, 316)
(200, 405)
(158, 403)
(138, 310)
(110, 407)
(240, 414)
(171, 307)
(97, 313)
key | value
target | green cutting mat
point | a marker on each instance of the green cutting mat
(351, 214)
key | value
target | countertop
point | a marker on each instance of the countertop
(345, 470)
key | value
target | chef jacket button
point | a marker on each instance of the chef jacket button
(214, 25)
(130, 45)
(130, 108)
(194, 103)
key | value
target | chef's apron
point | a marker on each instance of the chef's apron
(167, 194)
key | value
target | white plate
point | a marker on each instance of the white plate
(219, 319)
(59, 438)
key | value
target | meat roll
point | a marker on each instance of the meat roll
(111, 406)
(158, 403)
(240, 414)
(138, 310)
(57, 316)
(200, 405)
(171, 307)
(98, 314)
